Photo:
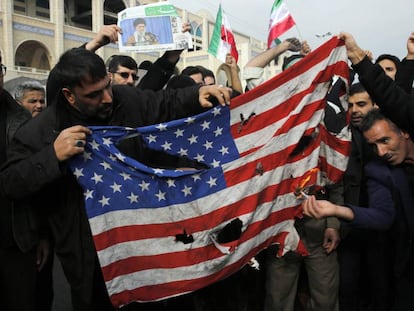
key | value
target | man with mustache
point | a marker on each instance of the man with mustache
(38, 167)
(390, 200)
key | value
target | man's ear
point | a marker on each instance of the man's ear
(69, 96)
(405, 135)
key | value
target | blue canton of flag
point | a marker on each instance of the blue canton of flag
(204, 138)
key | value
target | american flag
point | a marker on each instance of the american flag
(159, 232)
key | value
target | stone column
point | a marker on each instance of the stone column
(98, 20)
(57, 17)
(7, 24)
(205, 34)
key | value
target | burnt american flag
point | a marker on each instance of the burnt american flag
(159, 232)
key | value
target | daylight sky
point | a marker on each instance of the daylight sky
(378, 25)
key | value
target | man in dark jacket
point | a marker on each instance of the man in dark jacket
(392, 99)
(45, 144)
(19, 263)
(396, 147)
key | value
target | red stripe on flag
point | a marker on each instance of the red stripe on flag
(323, 52)
(170, 289)
(228, 36)
(192, 256)
(280, 28)
(195, 224)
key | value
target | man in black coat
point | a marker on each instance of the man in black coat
(38, 161)
(19, 230)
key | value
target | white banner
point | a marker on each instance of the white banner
(152, 27)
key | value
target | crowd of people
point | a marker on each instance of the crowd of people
(358, 234)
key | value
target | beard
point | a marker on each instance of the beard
(102, 111)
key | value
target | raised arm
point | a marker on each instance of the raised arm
(405, 74)
(107, 34)
(264, 58)
(378, 215)
(385, 92)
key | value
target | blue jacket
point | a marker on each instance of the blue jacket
(390, 206)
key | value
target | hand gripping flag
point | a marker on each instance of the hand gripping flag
(160, 233)
(222, 41)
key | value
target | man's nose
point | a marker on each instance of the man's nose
(107, 96)
(381, 150)
(354, 109)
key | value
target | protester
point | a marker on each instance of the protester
(123, 70)
(59, 133)
(22, 255)
(393, 101)
(254, 69)
(405, 74)
(364, 267)
(389, 63)
(194, 73)
(31, 95)
(390, 190)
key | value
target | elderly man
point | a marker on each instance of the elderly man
(31, 95)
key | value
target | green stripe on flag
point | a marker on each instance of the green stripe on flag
(216, 37)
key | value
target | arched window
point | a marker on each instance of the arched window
(197, 34)
(32, 54)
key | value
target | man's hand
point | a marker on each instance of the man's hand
(173, 56)
(292, 44)
(70, 142)
(355, 53)
(305, 48)
(410, 46)
(318, 208)
(107, 34)
(221, 93)
(369, 54)
(331, 240)
(186, 27)
(230, 62)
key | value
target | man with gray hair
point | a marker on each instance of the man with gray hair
(31, 95)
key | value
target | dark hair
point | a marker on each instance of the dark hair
(390, 57)
(356, 88)
(122, 60)
(372, 117)
(179, 82)
(145, 64)
(206, 72)
(139, 21)
(78, 65)
(191, 70)
(291, 60)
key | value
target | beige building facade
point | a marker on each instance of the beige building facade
(34, 33)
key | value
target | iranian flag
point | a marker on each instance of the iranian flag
(222, 42)
(280, 21)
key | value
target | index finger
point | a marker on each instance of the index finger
(79, 129)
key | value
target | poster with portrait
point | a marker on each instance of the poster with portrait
(152, 27)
